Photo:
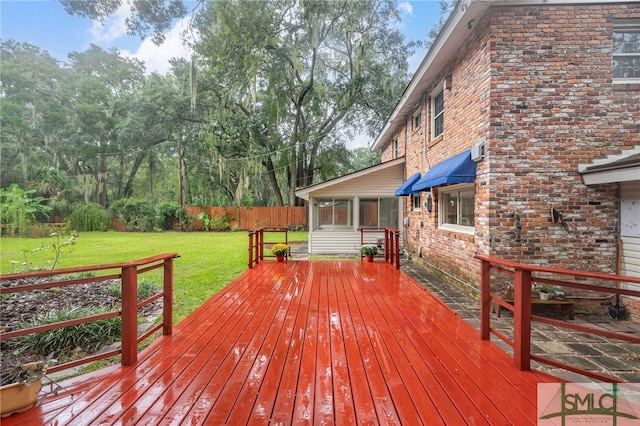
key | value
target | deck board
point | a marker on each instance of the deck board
(321, 342)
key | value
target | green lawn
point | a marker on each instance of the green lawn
(208, 261)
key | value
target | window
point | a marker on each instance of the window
(626, 51)
(395, 147)
(456, 211)
(415, 199)
(437, 111)
(333, 214)
(417, 119)
(379, 213)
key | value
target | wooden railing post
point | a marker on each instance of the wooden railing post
(251, 249)
(522, 319)
(397, 248)
(260, 251)
(129, 315)
(167, 299)
(387, 244)
(485, 300)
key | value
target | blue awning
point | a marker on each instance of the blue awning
(405, 189)
(457, 169)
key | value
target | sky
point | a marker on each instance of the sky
(45, 24)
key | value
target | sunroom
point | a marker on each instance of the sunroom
(341, 207)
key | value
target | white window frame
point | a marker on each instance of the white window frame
(448, 190)
(416, 120)
(333, 226)
(416, 202)
(378, 201)
(439, 90)
(395, 147)
(626, 26)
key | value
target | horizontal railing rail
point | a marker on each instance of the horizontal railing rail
(128, 275)
(524, 277)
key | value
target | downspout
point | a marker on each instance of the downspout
(425, 145)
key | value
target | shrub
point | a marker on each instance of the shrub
(64, 341)
(18, 210)
(89, 217)
(215, 223)
(168, 213)
(146, 288)
(135, 214)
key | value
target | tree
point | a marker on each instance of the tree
(147, 16)
(294, 75)
(102, 83)
(34, 111)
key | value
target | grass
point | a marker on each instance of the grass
(208, 261)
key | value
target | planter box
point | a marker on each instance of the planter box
(16, 398)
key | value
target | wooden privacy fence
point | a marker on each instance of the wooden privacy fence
(247, 218)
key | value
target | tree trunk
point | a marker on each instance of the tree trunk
(128, 188)
(101, 187)
(181, 174)
(273, 181)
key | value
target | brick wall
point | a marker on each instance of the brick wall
(537, 83)
(553, 107)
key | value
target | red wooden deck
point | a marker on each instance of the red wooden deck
(321, 342)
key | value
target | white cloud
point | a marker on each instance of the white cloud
(156, 58)
(113, 33)
(405, 7)
(361, 140)
(113, 28)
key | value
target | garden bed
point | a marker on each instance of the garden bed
(20, 310)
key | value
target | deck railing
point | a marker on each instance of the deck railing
(524, 276)
(257, 243)
(390, 243)
(127, 273)
(392, 246)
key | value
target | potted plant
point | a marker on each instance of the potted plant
(280, 250)
(369, 251)
(505, 290)
(545, 292)
(20, 382)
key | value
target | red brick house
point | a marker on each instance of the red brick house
(523, 124)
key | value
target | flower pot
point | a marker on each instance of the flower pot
(280, 258)
(545, 296)
(369, 258)
(17, 397)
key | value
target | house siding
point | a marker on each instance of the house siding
(381, 184)
(536, 82)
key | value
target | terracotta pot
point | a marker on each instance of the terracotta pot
(369, 258)
(280, 258)
(16, 398)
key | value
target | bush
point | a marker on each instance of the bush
(89, 217)
(146, 289)
(168, 214)
(18, 210)
(64, 341)
(135, 214)
(215, 223)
